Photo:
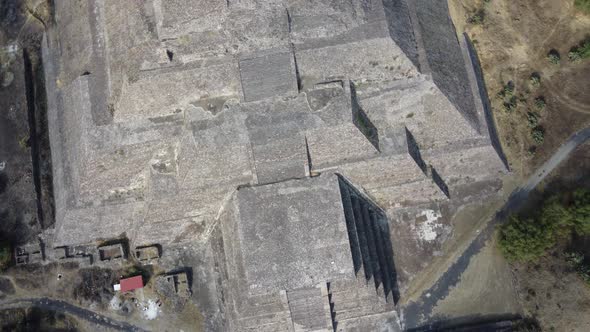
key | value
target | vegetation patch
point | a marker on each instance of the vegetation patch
(507, 90)
(96, 285)
(560, 216)
(583, 5)
(533, 119)
(580, 52)
(554, 57)
(579, 264)
(540, 103)
(511, 104)
(477, 17)
(535, 80)
(538, 135)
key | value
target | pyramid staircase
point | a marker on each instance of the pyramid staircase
(375, 288)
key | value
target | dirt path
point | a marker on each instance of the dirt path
(416, 313)
(61, 306)
(566, 100)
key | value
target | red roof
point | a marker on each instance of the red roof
(132, 283)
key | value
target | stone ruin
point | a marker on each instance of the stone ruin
(314, 253)
(112, 252)
(180, 283)
(148, 254)
(30, 253)
(295, 134)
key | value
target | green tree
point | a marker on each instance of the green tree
(556, 217)
(580, 211)
(525, 239)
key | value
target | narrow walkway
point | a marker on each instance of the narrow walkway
(418, 313)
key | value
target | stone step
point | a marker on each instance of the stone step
(367, 309)
(371, 248)
(305, 293)
(273, 327)
(307, 308)
(267, 322)
(362, 236)
(261, 306)
(344, 293)
(351, 227)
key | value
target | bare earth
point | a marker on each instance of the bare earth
(512, 43)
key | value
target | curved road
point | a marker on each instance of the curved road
(416, 312)
(65, 307)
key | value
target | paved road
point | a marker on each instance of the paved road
(65, 307)
(416, 312)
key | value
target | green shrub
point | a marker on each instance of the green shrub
(5, 255)
(540, 103)
(532, 151)
(533, 119)
(583, 5)
(477, 17)
(535, 80)
(554, 57)
(538, 135)
(577, 261)
(510, 105)
(507, 90)
(580, 52)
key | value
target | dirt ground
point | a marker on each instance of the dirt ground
(554, 294)
(487, 288)
(550, 290)
(513, 38)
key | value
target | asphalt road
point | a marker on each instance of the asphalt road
(418, 313)
(62, 306)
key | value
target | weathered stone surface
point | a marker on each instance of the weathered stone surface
(163, 91)
(87, 225)
(444, 57)
(342, 144)
(372, 60)
(276, 222)
(280, 159)
(190, 121)
(185, 16)
(267, 75)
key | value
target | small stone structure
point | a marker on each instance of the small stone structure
(112, 252)
(29, 254)
(147, 254)
(180, 283)
(81, 254)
